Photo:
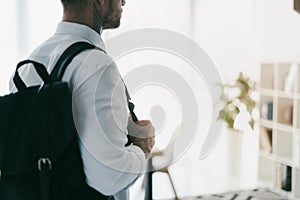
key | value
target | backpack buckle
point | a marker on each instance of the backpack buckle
(44, 161)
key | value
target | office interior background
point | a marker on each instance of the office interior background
(238, 36)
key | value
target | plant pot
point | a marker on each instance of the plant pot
(235, 152)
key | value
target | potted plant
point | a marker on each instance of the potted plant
(240, 111)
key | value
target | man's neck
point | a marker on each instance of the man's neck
(85, 19)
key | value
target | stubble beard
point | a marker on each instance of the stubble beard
(111, 19)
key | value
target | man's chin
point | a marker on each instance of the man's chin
(112, 26)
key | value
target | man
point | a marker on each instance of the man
(99, 99)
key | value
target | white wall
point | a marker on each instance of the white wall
(8, 41)
(42, 18)
(173, 15)
(226, 30)
(24, 25)
(279, 30)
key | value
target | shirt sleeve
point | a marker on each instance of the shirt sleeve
(101, 117)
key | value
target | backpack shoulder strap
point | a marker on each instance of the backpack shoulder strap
(67, 57)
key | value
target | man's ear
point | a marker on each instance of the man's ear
(101, 2)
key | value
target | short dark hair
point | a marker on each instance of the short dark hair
(66, 3)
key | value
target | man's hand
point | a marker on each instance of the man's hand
(141, 134)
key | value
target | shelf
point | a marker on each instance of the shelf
(267, 123)
(279, 139)
(266, 154)
(266, 92)
(275, 158)
(285, 194)
(278, 93)
(283, 127)
(278, 126)
(287, 95)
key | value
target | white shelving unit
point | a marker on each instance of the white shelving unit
(279, 157)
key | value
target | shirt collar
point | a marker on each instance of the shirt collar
(80, 30)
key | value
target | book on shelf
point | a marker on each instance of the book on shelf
(288, 115)
(290, 78)
(286, 181)
(267, 110)
(265, 140)
(283, 177)
(278, 175)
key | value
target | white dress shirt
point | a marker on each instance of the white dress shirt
(99, 109)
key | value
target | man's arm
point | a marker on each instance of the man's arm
(101, 118)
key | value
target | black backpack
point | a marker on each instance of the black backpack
(39, 152)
